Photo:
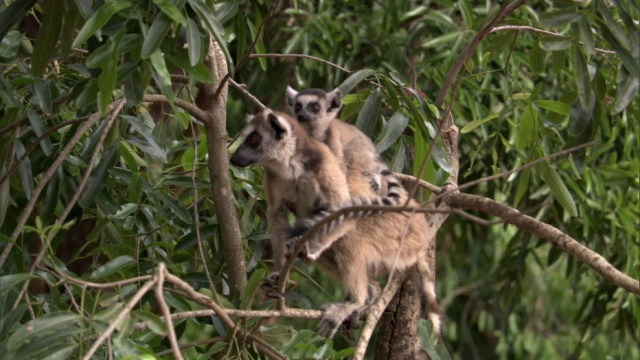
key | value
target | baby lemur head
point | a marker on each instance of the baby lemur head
(314, 107)
(268, 138)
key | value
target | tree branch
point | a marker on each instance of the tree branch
(215, 107)
(548, 233)
(185, 105)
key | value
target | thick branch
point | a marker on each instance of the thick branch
(215, 126)
(549, 233)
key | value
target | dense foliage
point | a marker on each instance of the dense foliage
(551, 76)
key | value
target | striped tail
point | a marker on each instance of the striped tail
(302, 226)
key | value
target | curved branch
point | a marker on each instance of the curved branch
(545, 32)
(549, 233)
(301, 56)
(185, 105)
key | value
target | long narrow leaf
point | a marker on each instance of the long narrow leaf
(45, 43)
(370, 113)
(99, 19)
(98, 179)
(13, 14)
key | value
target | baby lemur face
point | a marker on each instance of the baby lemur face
(313, 105)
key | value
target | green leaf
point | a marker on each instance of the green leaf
(583, 80)
(162, 76)
(392, 130)
(99, 19)
(39, 129)
(558, 188)
(113, 266)
(43, 92)
(9, 281)
(523, 186)
(554, 106)
(186, 182)
(72, 18)
(475, 123)
(125, 210)
(177, 208)
(526, 128)
(41, 326)
(354, 79)
(51, 197)
(171, 10)
(370, 113)
(252, 284)
(194, 39)
(26, 175)
(587, 36)
(156, 34)
(107, 82)
(12, 15)
(626, 91)
(214, 26)
(154, 322)
(555, 45)
(45, 43)
(98, 179)
(537, 58)
(559, 18)
(10, 44)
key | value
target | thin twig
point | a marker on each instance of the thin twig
(165, 311)
(34, 145)
(46, 177)
(247, 94)
(545, 32)
(301, 56)
(117, 106)
(121, 317)
(185, 105)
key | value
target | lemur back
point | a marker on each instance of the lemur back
(302, 176)
(317, 110)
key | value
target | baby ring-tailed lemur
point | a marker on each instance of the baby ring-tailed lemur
(302, 175)
(317, 110)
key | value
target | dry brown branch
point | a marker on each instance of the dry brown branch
(548, 233)
(46, 177)
(166, 313)
(185, 105)
(301, 56)
(220, 311)
(545, 32)
(121, 317)
(117, 106)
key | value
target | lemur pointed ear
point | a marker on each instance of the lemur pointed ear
(278, 125)
(334, 99)
(291, 96)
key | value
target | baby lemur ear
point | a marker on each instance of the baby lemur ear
(291, 96)
(334, 99)
(277, 125)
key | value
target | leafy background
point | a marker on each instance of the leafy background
(523, 95)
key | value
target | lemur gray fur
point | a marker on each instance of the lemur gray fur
(317, 110)
(303, 176)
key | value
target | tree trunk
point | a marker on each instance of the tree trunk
(216, 129)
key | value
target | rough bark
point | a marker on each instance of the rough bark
(397, 337)
(215, 106)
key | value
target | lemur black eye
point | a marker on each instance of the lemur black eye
(297, 108)
(314, 107)
(253, 140)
